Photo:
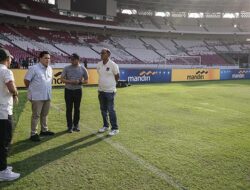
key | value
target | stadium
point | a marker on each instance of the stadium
(183, 114)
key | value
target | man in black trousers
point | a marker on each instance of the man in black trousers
(73, 76)
(8, 95)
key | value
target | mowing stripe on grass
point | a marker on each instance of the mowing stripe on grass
(150, 167)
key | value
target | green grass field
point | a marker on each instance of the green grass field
(193, 135)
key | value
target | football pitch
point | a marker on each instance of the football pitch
(193, 135)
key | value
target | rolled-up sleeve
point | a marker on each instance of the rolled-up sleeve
(30, 74)
(85, 74)
(63, 75)
(8, 76)
(115, 69)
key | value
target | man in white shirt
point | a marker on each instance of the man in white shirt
(8, 94)
(108, 76)
(38, 80)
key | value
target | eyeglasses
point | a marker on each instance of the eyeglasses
(102, 53)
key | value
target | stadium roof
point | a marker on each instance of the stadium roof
(186, 5)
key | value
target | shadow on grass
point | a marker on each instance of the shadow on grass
(18, 109)
(26, 144)
(29, 165)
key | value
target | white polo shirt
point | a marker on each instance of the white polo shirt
(40, 78)
(107, 72)
(6, 99)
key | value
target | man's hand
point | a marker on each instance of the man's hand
(75, 82)
(15, 100)
(80, 81)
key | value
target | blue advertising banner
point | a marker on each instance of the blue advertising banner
(234, 74)
(145, 75)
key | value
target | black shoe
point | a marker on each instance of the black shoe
(70, 130)
(76, 129)
(47, 133)
(35, 138)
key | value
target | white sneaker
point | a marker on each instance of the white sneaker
(8, 175)
(10, 168)
(113, 132)
(103, 129)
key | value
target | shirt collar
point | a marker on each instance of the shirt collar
(42, 66)
(3, 66)
(106, 63)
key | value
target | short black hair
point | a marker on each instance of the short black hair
(75, 56)
(43, 53)
(4, 54)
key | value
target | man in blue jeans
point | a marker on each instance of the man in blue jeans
(108, 76)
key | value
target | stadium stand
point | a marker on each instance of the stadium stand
(22, 43)
(133, 48)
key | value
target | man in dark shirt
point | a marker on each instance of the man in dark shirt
(73, 76)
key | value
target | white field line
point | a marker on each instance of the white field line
(205, 109)
(223, 108)
(146, 165)
(233, 111)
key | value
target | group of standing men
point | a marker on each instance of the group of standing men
(38, 80)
